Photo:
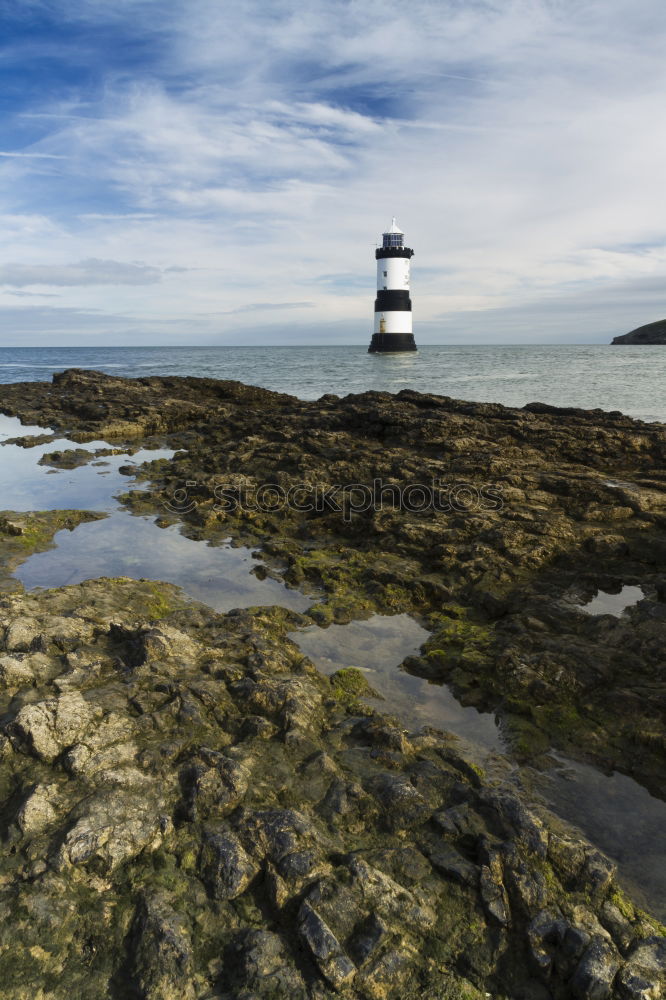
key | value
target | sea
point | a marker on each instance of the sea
(631, 379)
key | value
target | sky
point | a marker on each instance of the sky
(220, 171)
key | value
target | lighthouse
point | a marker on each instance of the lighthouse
(393, 306)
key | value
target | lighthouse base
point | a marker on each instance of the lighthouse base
(391, 342)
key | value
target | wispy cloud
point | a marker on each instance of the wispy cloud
(31, 156)
(86, 272)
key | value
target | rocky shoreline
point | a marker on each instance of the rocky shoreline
(192, 810)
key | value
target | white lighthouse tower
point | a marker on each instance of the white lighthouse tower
(393, 306)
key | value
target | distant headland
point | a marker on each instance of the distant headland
(651, 333)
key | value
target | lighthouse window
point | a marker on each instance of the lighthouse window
(386, 274)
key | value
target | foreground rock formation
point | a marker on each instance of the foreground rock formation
(651, 333)
(190, 810)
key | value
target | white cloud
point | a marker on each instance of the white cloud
(31, 156)
(86, 272)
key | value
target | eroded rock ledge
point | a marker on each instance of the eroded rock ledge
(582, 508)
(191, 810)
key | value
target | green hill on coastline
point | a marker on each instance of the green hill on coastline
(651, 333)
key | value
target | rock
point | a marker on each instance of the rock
(225, 867)
(347, 802)
(494, 896)
(617, 924)
(519, 821)
(38, 810)
(47, 728)
(15, 673)
(447, 860)
(402, 805)
(644, 975)
(163, 961)
(11, 526)
(595, 972)
(526, 884)
(367, 938)
(215, 787)
(262, 965)
(279, 833)
(111, 827)
(70, 458)
(325, 948)
(545, 935)
(21, 634)
(597, 873)
(105, 749)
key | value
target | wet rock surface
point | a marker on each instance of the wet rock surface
(534, 510)
(176, 826)
(189, 809)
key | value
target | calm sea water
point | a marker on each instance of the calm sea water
(631, 379)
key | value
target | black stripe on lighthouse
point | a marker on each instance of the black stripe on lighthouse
(382, 253)
(393, 300)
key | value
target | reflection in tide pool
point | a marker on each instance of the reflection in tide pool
(26, 485)
(605, 603)
(378, 646)
(124, 545)
(620, 817)
(121, 544)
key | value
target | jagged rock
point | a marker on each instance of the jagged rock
(215, 787)
(162, 963)
(595, 972)
(545, 934)
(39, 809)
(348, 802)
(402, 805)
(46, 728)
(225, 867)
(21, 634)
(110, 828)
(520, 822)
(288, 840)
(263, 966)
(369, 936)
(644, 975)
(447, 860)
(617, 924)
(494, 896)
(325, 948)
(15, 672)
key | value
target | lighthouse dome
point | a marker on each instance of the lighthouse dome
(394, 236)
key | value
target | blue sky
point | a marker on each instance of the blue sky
(208, 171)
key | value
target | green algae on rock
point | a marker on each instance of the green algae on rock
(191, 809)
(581, 494)
(21, 534)
(190, 814)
